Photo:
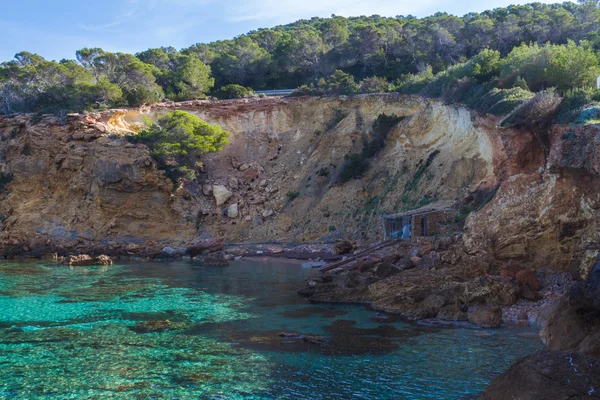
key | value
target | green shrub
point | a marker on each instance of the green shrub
(323, 171)
(332, 228)
(292, 195)
(552, 65)
(575, 102)
(338, 116)
(504, 101)
(381, 127)
(374, 84)
(463, 214)
(177, 139)
(354, 166)
(233, 91)
(414, 83)
(338, 83)
(4, 180)
(424, 201)
(420, 172)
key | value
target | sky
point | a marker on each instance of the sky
(55, 29)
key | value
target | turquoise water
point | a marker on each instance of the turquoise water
(184, 331)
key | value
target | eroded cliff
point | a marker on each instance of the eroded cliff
(80, 184)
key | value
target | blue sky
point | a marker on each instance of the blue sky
(56, 28)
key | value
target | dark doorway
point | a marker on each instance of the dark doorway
(424, 227)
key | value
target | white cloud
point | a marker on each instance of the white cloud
(99, 27)
(289, 10)
(285, 11)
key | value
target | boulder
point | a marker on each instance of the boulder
(343, 247)
(485, 316)
(548, 375)
(527, 277)
(207, 190)
(200, 246)
(251, 174)
(233, 211)
(575, 323)
(221, 194)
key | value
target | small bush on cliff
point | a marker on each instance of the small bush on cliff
(381, 127)
(355, 166)
(177, 139)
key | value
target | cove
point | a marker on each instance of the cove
(181, 330)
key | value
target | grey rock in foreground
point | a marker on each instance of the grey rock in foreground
(548, 375)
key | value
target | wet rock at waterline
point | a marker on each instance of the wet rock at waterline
(84, 259)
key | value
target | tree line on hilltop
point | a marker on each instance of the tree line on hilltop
(495, 61)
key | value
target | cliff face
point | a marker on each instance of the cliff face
(72, 186)
(81, 184)
(548, 216)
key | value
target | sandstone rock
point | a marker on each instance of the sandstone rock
(221, 194)
(485, 316)
(232, 211)
(243, 167)
(527, 277)
(251, 174)
(267, 213)
(343, 247)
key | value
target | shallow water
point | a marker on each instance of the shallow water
(184, 331)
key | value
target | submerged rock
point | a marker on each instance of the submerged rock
(84, 259)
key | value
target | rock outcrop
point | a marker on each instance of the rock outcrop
(575, 323)
(548, 375)
(570, 367)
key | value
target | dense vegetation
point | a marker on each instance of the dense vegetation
(177, 139)
(503, 56)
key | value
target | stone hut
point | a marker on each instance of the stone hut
(425, 221)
